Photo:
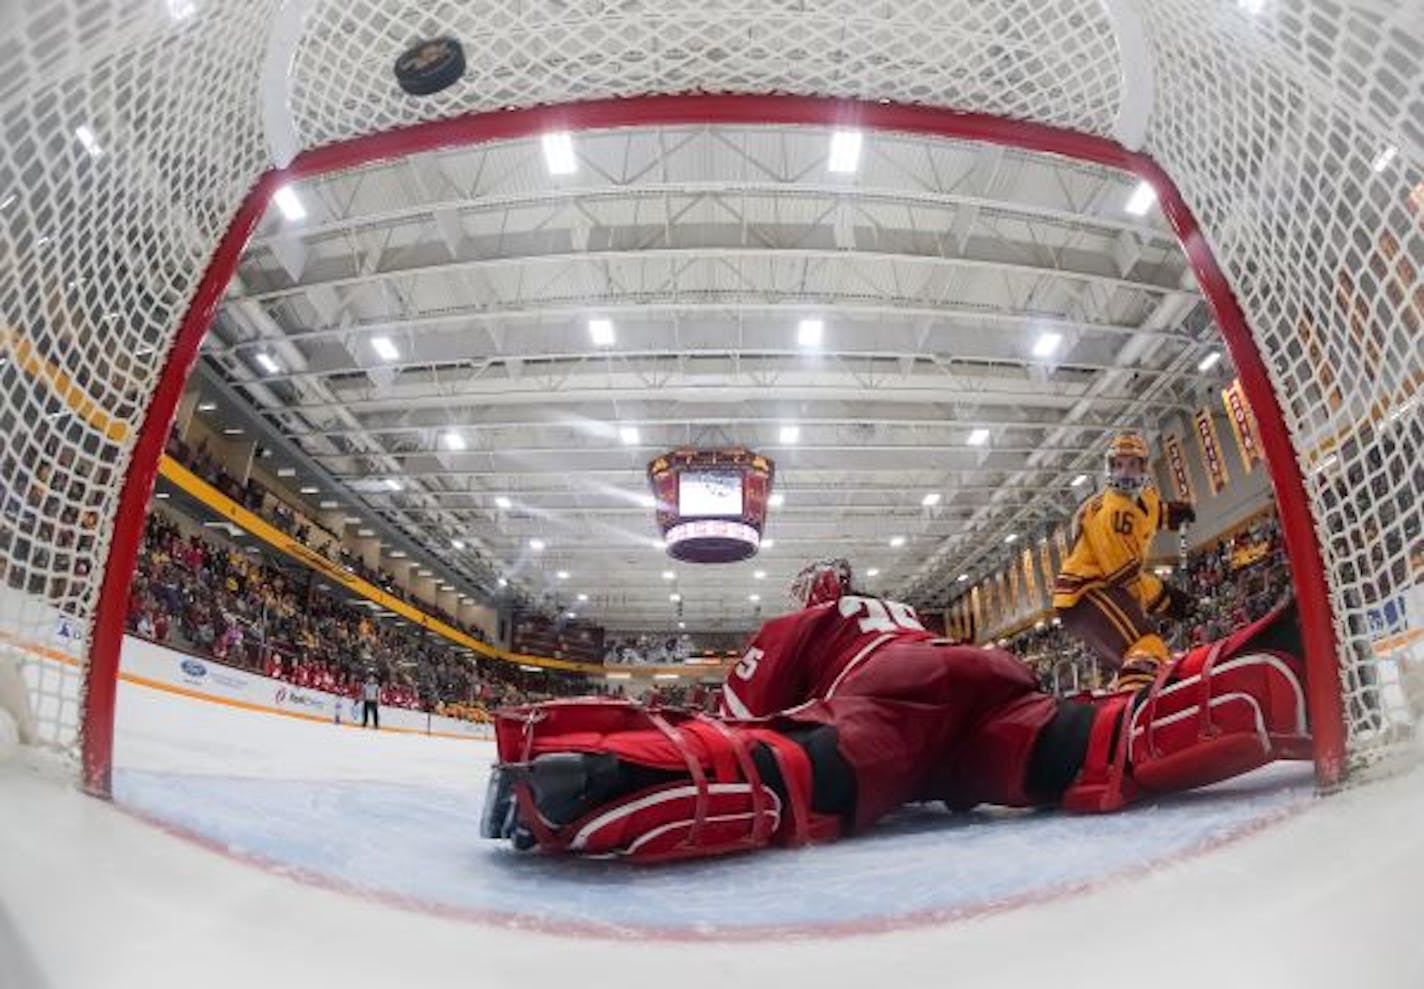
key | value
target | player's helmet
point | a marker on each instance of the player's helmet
(1127, 445)
(820, 582)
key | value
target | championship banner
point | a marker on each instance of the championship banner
(991, 604)
(1212, 462)
(1177, 467)
(1015, 589)
(1005, 600)
(1060, 536)
(976, 608)
(1046, 558)
(1243, 423)
(1030, 583)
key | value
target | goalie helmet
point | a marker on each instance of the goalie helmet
(821, 582)
(1127, 445)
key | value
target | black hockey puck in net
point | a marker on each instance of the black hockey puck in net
(430, 66)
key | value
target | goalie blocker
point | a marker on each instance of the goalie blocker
(609, 778)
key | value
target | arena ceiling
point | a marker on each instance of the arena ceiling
(986, 316)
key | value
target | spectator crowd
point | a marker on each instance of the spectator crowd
(1232, 583)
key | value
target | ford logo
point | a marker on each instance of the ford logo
(194, 668)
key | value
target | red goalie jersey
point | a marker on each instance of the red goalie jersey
(805, 655)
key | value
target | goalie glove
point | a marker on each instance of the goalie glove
(1180, 513)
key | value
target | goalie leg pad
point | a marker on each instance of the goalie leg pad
(729, 787)
(1220, 711)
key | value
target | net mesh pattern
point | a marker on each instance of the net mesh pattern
(134, 129)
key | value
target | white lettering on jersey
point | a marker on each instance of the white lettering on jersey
(880, 616)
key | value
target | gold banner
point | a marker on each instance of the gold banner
(1060, 536)
(1045, 553)
(1177, 466)
(976, 604)
(1213, 464)
(1243, 423)
(1030, 583)
(1015, 589)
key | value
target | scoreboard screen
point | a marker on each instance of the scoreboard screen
(709, 494)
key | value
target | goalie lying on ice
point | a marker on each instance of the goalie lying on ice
(847, 708)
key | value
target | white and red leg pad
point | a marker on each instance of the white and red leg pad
(719, 805)
(1219, 711)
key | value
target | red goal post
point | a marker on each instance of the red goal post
(1307, 566)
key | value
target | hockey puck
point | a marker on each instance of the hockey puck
(430, 66)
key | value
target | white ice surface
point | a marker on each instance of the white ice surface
(1318, 893)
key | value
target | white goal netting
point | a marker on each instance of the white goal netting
(134, 129)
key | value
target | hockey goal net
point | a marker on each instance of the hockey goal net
(143, 137)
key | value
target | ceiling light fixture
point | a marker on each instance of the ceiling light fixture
(559, 153)
(845, 151)
(384, 349)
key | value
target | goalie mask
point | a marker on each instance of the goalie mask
(1126, 464)
(821, 582)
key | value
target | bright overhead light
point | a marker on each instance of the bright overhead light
(392, 484)
(207, 406)
(961, 578)
(629, 435)
(601, 332)
(571, 615)
(776, 500)
(7, 202)
(329, 504)
(790, 434)
(1011, 537)
(1209, 361)
(269, 364)
(90, 142)
(365, 533)
(759, 575)
(669, 575)
(583, 597)
(931, 499)
(753, 598)
(845, 150)
(768, 543)
(873, 572)
(162, 496)
(289, 203)
(1046, 344)
(1080, 480)
(308, 489)
(537, 545)
(233, 431)
(397, 554)
(457, 544)
(181, 10)
(562, 575)
(1252, 6)
(674, 597)
(286, 472)
(978, 437)
(1383, 159)
(682, 624)
(1142, 199)
(500, 501)
(453, 441)
(502, 582)
(559, 153)
(809, 332)
(352, 520)
(384, 349)
(897, 541)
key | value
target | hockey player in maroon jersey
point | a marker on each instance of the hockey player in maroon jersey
(847, 708)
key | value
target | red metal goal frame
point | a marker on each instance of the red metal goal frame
(1308, 572)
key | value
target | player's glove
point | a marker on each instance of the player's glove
(1180, 513)
(1173, 603)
